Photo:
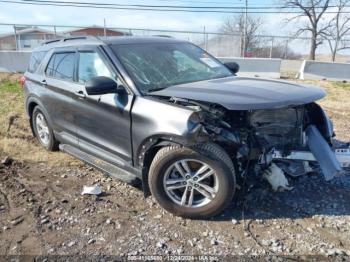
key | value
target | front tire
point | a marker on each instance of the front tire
(196, 182)
(42, 130)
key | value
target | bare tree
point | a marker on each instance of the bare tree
(339, 27)
(314, 11)
(235, 25)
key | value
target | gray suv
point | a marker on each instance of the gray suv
(168, 114)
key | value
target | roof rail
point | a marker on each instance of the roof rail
(70, 39)
(74, 38)
(166, 36)
(51, 41)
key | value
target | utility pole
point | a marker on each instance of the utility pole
(205, 38)
(104, 28)
(16, 41)
(245, 31)
(271, 49)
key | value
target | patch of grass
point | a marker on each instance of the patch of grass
(7, 86)
(11, 97)
(345, 85)
(16, 139)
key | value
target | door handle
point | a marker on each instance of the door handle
(80, 94)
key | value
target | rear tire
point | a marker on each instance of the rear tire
(43, 131)
(205, 169)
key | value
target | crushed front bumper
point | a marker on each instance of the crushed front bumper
(331, 160)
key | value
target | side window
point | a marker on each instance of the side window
(61, 66)
(35, 61)
(91, 65)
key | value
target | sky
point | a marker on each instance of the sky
(274, 24)
(27, 14)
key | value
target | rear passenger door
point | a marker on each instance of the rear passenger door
(60, 80)
(103, 121)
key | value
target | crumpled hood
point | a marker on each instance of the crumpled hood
(240, 93)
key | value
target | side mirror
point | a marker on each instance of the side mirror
(101, 85)
(232, 66)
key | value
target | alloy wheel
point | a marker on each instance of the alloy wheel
(191, 183)
(42, 129)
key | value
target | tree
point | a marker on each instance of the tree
(235, 25)
(339, 27)
(314, 11)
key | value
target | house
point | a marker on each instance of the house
(95, 31)
(25, 38)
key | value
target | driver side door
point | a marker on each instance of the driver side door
(102, 121)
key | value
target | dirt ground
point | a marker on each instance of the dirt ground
(42, 211)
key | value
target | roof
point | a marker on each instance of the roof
(92, 40)
(140, 40)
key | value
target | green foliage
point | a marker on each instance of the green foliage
(11, 97)
(7, 86)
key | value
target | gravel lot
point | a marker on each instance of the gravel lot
(42, 211)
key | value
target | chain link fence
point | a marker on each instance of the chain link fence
(27, 37)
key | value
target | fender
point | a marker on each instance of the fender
(29, 101)
(320, 119)
(146, 148)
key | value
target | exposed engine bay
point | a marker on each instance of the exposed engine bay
(295, 139)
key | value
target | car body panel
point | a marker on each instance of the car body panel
(153, 119)
(103, 121)
(239, 93)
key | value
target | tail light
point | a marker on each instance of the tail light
(22, 81)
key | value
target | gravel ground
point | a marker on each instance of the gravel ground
(42, 211)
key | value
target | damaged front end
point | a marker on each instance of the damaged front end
(295, 139)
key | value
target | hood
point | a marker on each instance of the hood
(240, 93)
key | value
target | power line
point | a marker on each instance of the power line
(83, 4)
(155, 31)
(151, 8)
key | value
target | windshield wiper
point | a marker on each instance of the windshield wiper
(155, 89)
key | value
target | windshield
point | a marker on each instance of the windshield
(155, 66)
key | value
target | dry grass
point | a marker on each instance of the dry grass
(337, 105)
(16, 139)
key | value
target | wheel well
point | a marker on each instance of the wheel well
(147, 161)
(31, 107)
(150, 154)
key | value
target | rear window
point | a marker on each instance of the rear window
(35, 60)
(61, 66)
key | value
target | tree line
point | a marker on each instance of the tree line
(322, 21)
